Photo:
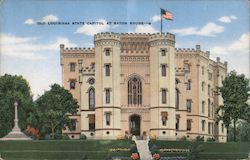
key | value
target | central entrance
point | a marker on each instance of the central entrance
(135, 125)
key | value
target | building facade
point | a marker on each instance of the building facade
(140, 84)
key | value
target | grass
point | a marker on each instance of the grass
(211, 150)
(62, 149)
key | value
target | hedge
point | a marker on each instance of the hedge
(63, 149)
(212, 150)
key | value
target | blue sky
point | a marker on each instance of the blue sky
(32, 50)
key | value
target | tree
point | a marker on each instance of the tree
(235, 95)
(14, 89)
(51, 112)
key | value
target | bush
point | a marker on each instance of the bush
(195, 148)
(133, 148)
(65, 137)
(210, 139)
(83, 137)
(199, 139)
(183, 138)
(154, 149)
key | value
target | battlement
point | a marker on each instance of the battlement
(117, 36)
(107, 35)
(196, 50)
(164, 35)
(76, 49)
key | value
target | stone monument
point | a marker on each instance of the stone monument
(16, 133)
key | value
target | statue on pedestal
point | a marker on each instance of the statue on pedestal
(16, 133)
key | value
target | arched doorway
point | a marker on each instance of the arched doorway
(135, 125)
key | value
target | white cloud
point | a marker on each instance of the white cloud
(27, 47)
(50, 18)
(90, 30)
(155, 18)
(210, 30)
(46, 19)
(227, 19)
(145, 29)
(29, 21)
(236, 53)
(240, 46)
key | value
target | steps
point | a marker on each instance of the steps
(143, 149)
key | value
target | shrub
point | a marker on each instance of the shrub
(183, 138)
(135, 156)
(210, 139)
(65, 137)
(133, 148)
(199, 139)
(195, 148)
(83, 137)
(156, 156)
(154, 149)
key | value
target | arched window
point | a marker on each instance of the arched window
(176, 95)
(91, 98)
(134, 91)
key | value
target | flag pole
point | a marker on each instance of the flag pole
(161, 22)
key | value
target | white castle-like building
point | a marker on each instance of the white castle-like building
(140, 84)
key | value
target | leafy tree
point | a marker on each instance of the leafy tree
(14, 89)
(53, 106)
(235, 95)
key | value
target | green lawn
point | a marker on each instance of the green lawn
(212, 150)
(62, 149)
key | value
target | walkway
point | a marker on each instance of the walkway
(143, 149)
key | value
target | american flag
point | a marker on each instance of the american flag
(166, 14)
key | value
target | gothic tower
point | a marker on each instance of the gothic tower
(107, 85)
(162, 85)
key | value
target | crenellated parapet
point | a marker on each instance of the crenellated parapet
(107, 38)
(187, 52)
(162, 39)
(76, 50)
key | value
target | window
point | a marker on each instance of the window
(164, 96)
(107, 92)
(208, 106)
(177, 122)
(203, 125)
(72, 67)
(188, 105)
(163, 70)
(72, 84)
(134, 91)
(91, 98)
(80, 65)
(212, 109)
(203, 86)
(222, 127)
(107, 69)
(189, 121)
(208, 90)
(187, 67)
(210, 76)
(164, 117)
(73, 124)
(202, 70)
(107, 114)
(91, 122)
(209, 128)
(203, 107)
(176, 95)
(107, 52)
(163, 52)
(188, 84)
